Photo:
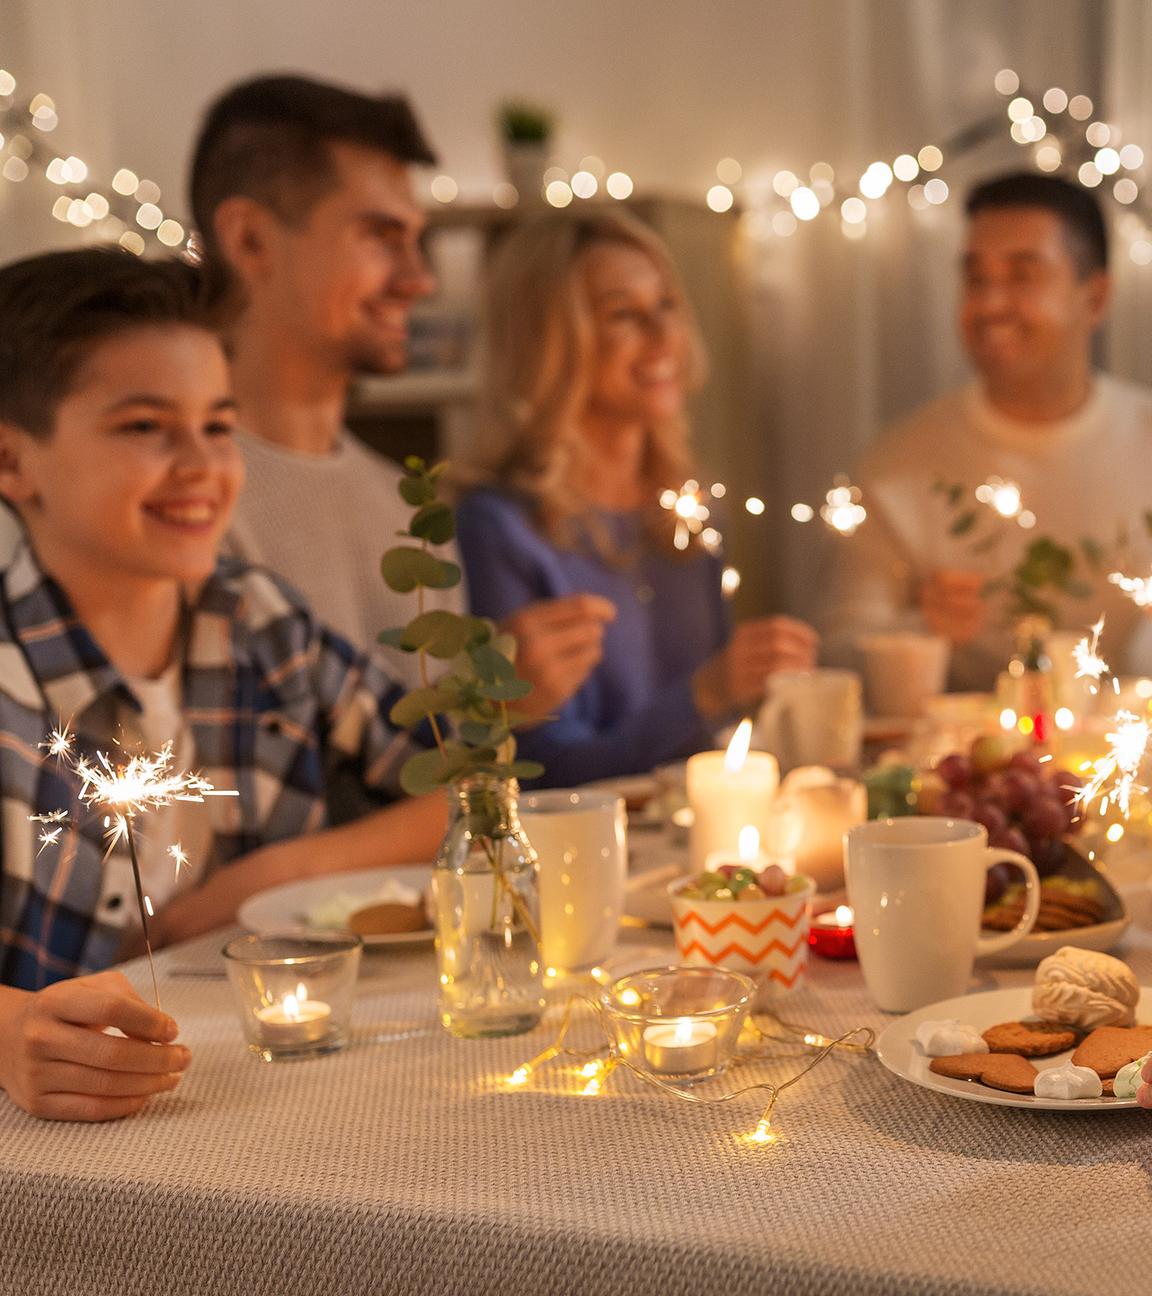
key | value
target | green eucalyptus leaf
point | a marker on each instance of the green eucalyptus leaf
(505, 690)
(434, 523)
(1092, 551)
(414, 463)
(441, 633)
(1077, 589)
(524, 769)
(422, 702)
(955, 493)
(491, 665)
(963, 524)
(394, 638)
(428, 770)
(417, 491)
(405, 568)
(478, 733)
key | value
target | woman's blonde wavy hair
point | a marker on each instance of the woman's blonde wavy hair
(539, 356)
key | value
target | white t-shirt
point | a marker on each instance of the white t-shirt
(323, 522)
(1086, 476)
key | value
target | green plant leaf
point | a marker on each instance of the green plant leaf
(414, 463)
(490, 664)
(393, 638)
(955, 493)
(506, 690)
(1093, 552)
(522, 769)
(963, 524)
(416, 706)
(405, 568)
(441, 633)
(417, 491)
(1078, 589)
(433, 523)
(428, 770)
(479, 733)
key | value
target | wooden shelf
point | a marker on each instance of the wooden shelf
(427, 390)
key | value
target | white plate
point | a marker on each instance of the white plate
(285, 907)
(898, 1050)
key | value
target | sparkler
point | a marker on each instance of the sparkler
(145, 782)
(1089, 663)
(1115, 777)
(841, 511)
(692, 513)
(1138, 588)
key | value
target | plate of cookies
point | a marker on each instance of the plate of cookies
(1077, 905)
(1075, 1041)
(385, 906)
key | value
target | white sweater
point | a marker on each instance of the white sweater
(1089, 475)
(323, 522)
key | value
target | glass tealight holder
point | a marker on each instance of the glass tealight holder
(680, 1024)
(294, 992)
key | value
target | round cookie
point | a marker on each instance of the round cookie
(1029, 1038)
(1007, 1071)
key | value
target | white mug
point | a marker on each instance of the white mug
(917, 887)
(812, 718)
(902, 671)
(581, 839)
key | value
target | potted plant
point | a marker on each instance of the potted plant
(526, 131)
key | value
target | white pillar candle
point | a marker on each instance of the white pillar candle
(680, 1048)
(727, 791)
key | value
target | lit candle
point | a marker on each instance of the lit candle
(831, 934)
(727, 791)
(684, 1047)
(295, 1020)
(748, 854)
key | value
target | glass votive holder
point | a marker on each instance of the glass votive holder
(294, 992)
(679, 1023)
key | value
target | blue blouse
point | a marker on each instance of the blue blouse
(636, 709)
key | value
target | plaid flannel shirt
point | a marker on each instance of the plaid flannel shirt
(276, 705)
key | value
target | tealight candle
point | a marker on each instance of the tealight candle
(726, 791)
(681, 1048)
(748, 855)
(295, 1020)
(831, 934)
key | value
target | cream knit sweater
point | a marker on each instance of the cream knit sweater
(1089, 475)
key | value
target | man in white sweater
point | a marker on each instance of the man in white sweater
(1077, 443)
(311, 236)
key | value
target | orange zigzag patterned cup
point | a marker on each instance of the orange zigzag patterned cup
(768, 938)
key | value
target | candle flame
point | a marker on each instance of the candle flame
(683, 1031)
(844, 916)
(291, 1007)
(748, 843)
(737, 752)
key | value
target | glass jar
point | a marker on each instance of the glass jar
(1028, 686)
(487, 914)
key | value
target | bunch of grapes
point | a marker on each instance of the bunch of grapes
(1025, 806)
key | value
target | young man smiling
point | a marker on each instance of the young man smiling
(1035, 289)
(116, 450)
(303, 197)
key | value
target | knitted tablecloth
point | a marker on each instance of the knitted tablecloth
(403, 1164)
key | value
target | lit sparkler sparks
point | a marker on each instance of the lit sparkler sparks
(1138, 588)
(842, 510)
(143, 783)
(1089, 663)
(1115, 777)
(692, 513)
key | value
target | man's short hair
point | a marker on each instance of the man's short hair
(270, 139)
(56, 308)
(1077, 210)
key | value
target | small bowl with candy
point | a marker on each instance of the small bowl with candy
(754, 921)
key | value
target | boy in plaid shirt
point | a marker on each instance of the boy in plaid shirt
(117, 620)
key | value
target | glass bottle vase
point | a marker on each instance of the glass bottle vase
(487, 914)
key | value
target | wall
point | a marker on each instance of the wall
(844, 335)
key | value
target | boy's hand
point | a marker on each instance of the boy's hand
(558, 642)
(56, 1062)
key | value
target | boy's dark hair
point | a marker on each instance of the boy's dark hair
(55, 308)
(1077, 209)
(269, 139)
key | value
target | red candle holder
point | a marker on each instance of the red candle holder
(831, 935)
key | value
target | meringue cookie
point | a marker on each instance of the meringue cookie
(1068, 1081)
(1085, 989)
(1128, 1077)
(949, 1038)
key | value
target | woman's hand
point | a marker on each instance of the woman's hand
(952, 603)
(736, 676)
(1144, 1093)
(56, 1062)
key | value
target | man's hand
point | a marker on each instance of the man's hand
(953, 605)
(558, 643)
(735, 677)
(57, 1063)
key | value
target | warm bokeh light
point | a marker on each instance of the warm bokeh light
(444, 189)
(804, 203)
(619, 185)
(729, 171)
(720, 198)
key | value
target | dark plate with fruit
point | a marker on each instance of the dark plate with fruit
(1027, 802)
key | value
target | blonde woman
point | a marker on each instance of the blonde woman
(591, 353)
